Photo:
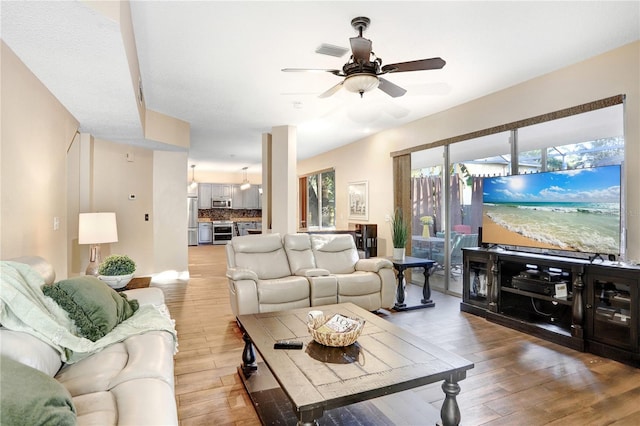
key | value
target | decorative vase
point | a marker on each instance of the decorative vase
(116, 281)
(425, 231)
(398, 253)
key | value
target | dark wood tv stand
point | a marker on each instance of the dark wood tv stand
(600, 313)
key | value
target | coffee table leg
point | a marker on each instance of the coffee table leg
(450, 412)
(249, 364)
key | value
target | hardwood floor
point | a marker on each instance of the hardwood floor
(517, 379)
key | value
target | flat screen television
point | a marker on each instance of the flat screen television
(569, 210)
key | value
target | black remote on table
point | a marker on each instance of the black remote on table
(288, 344)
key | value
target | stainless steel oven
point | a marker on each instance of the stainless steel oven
(222, 231)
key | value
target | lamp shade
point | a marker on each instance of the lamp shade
(97, 228)
(360, 83)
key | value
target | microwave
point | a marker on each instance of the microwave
(221, 203)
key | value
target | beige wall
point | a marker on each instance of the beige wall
(209, 176)
(48, 171)
(163, 128)
(115, 178)
(36, 132)
(170, 218)
(609, 74)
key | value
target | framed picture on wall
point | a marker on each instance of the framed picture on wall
(359, 200)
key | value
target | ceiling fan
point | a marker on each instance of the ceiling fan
(363, 70)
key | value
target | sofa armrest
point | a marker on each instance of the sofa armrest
(373, 264)
(238, 274)
(312, 272)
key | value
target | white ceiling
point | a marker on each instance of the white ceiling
(217, 65)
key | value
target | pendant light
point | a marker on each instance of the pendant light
(193, 183)
(245, 182)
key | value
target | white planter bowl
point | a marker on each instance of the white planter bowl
(398, 254)
(116, 281)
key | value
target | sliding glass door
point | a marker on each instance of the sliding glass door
(446, 181)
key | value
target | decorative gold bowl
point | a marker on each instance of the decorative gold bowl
(334, 339)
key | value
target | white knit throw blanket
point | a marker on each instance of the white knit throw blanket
(23, 307)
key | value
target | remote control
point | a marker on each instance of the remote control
(288, 344)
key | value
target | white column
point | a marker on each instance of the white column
(266, 182)
(283, 181)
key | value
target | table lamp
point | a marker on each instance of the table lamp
(95, 229)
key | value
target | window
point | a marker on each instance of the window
(578, 140)
(594, 138)
(317, 200)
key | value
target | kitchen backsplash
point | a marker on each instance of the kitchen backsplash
(227, 214)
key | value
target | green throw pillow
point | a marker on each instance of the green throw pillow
(94, 306)
(30, 397)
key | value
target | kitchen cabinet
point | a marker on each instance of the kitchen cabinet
(237, 200)
(247, 199)
(204, 195)
(244, 227)
(251, 198)
(221, 190)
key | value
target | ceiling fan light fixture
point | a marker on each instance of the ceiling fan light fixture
(361, 83)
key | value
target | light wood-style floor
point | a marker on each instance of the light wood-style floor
(517, 379)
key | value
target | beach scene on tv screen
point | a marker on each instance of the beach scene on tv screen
(571, 210)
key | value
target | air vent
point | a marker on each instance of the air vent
(331, 50)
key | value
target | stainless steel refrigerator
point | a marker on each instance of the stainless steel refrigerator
(192, 208)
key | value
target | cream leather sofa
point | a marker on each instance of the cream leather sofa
(269, 272)
(127, 383)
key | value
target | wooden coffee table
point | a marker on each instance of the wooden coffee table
(384, 360)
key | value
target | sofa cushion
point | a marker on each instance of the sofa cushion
(287, 289)
(298, 248)
(30, 397)
(29, 350)
(147, 355)
(94, 306)
(358, 283)
(97, 408)
(336, 253)
(263, 254)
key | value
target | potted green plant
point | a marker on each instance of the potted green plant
(399, 234)
(117, 270)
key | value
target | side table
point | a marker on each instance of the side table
(412, 262)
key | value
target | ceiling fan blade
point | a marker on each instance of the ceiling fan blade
(331, 91)
(361, 48)
(391, 89)
(419, 65)
(335, 72)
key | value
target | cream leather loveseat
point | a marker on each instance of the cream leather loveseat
(269, 272)
(129, 382)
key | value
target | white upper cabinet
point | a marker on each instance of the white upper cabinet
(221, 190)
(204, 195)
(247, 199)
